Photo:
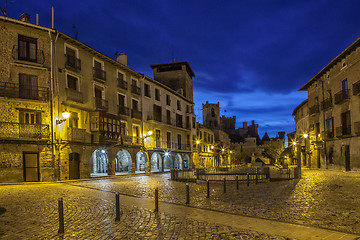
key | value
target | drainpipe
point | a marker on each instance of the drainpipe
(324, 139)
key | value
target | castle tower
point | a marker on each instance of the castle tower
(211, 115)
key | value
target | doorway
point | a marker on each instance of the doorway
(74, 165)
(31, 166)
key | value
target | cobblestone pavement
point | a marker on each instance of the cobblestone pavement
(31, 213)
(322, 198)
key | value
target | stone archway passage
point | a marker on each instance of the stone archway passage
(123, 162)
(156, 162)
(186, 161)
(99, 163)
(178, 162)
(140, 162)
(168, 162)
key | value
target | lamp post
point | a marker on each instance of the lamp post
(305, 138)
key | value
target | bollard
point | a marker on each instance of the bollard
(61, 215)
(237, 182)
(187, 194)
(208, 189)
(224, 185)
(156, 200)
(117, 200)
(248, 180)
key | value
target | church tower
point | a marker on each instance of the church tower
(211, 115)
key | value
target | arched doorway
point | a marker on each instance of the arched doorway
(140, 162)
(123, 163)
(99, 163)
(156, 162)
(168, 162)
(178, 162)
(186, 161)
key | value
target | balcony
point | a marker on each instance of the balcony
(122, 84)
(154, 118)
(179, 124)
(77, 134)
(135, 89)
(357, 128)
(39, 58)
(98, 73)
(9, 130)
(326, 104)
(343, 131)
(101, 104)
(12, 90)
(123, 110)
(356, 88)
(73, 62)
(74, 95)
(314, 109)
(173, 146)
(342, 96)
(135, 114)
(137, 141)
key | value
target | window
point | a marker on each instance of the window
(330, 127)
(193, 122)
(123, 128)
(157, 137)
(71, 58)
(179, 141)
(120, 76)
(28, 86)
(98, 70)
(146, 90)
(121, 81)
(168, 101)
(212, 112)
(135, 104)
(157, 94)
(168, 117)
(122, 105)
(178, 105)
(179, 120)
(188, 122)
(345, 90)
(29, 117)
(168, 139)
(346, 123)
(157, 113)
(27, 49)
(72, 82)
(133, 82)
(136, 131)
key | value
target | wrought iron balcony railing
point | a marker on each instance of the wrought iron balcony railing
(11, 130)
(341, 96)
(101, 104)
(172, 146)
(356, 88)
(343, 131)
(124, 110)
(135, 89)
(122, 84)
(326, 104)
(38, 58)
(74, 95)
(72, 61)
(99, 73)
(12, 90)
(136, 114)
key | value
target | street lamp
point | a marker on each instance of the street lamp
(65, 116)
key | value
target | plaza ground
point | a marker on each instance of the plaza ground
(323, 204)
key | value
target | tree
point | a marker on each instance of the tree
(273, 150)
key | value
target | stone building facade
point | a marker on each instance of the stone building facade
(334, 118)
(113, 128)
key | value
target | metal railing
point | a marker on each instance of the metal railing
(24, 130)
(343, 131)
(327, 103)
(12, 90)
(72, 61)
(157, 118)
(173, 146)
(356, 88)
(341, 96)
(99, 73)
(136, 114)
(74, 95)
(101, 104)
(135, 89)
(40, 56)
(314, 109)
(121, 83)
(124, 110)
(76, 134)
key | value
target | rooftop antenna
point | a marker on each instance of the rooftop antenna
(3, 10)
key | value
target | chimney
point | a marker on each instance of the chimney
(122, 58)
(25, 17)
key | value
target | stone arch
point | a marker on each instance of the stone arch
(99, 163)
(140, 162)
(168, 162)
(178, 162)
(186, 161)
(156, 162)
(123, 162)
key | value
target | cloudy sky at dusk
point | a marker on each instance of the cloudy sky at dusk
(251, 56)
